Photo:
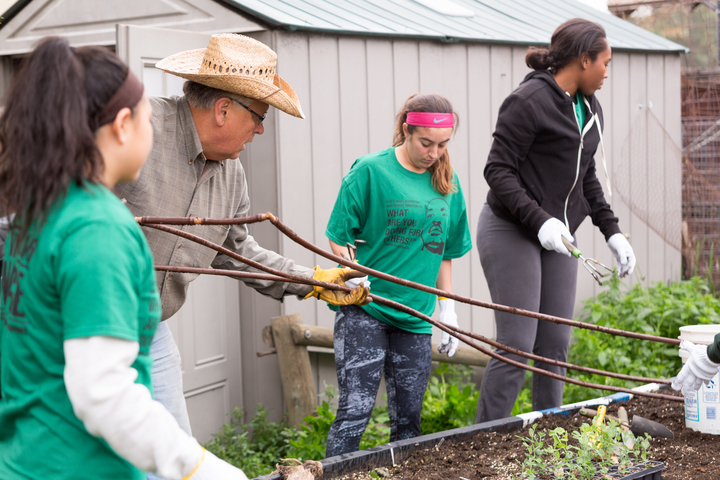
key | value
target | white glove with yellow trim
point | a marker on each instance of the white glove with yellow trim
(212, 468)
(448, 344)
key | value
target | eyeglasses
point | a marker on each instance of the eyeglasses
(260, 118)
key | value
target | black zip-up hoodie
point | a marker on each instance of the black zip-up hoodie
(532, 168)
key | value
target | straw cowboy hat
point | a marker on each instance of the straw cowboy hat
(236, 64)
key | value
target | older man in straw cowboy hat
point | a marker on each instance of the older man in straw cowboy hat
(194, 170)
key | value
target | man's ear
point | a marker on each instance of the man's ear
(220, 110)
(120, 125)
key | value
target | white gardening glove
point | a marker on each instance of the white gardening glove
(550, 233)
(448, 344)
(623, 252)
(212, 468)
(698, 369)
(354, 282)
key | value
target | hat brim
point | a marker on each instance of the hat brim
(279, 94)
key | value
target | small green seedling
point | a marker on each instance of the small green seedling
(594, 451)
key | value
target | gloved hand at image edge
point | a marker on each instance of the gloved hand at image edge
(698, 369)
(339, 276)
(550, 236)
(448, 344)
(211, 467)
(623, 252)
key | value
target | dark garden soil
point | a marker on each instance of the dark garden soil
(497, 455)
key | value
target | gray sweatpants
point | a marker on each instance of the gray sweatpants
(520, 273)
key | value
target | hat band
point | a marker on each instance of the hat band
(430, 119)
(127, 95)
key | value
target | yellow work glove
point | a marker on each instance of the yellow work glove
(338, 276)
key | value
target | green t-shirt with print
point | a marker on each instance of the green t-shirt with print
(408, 229)
(87, 272)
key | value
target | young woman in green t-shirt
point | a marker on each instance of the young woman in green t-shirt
(78, 304)
(406, 205)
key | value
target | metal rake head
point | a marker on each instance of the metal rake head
(598, 275)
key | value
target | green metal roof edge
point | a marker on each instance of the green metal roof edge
(443, 38)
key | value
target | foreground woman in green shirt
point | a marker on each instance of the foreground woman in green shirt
(78, 304)
(406, 205)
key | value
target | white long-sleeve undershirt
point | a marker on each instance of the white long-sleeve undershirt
(101, 386)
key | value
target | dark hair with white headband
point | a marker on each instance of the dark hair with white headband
(442, 171)
(55, 104)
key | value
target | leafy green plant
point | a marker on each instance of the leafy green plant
(309, 442)
(595, 450)
(657, 310)
(450, 399)
(257, 446)
(254, 447)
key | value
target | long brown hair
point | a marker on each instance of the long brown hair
(570, 41)
(47, 128)
(442, 171)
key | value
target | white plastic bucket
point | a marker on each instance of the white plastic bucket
(702, 408)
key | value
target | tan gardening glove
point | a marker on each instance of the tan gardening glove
(338, 276)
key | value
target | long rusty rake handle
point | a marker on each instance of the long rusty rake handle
(157, 221)
(455, 330)
(281, 276)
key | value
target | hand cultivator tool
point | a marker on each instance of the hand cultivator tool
(588, 263)
(639, 425)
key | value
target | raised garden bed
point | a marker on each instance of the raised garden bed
(493, 451)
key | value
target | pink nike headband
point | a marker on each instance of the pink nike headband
(430, 119)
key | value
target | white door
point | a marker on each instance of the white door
(207, 327)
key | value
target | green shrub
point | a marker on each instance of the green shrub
(450, 399)
(660, 309)
(254, 447)
(657, 310)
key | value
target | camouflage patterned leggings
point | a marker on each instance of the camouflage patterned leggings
(364, 347)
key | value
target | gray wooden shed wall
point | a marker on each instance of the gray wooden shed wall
(352, 87)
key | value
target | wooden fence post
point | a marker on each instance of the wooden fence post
(295, 371)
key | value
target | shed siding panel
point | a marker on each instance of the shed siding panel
(479, 126)
(657, 159)
(381, 113)
(296, 163)
(620, 126)
(673, 165)
(326, 152)
(354, 141)
(455, 88)
(261, 375)
(431, 67)
(501, 84)
(599, 247)
(406, 71)
(638, 154)
(519, 68)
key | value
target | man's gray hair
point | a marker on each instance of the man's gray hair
(204, 97)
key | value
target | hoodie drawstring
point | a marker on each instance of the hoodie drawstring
(602, 146)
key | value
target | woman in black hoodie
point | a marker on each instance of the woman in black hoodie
(541, 172)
